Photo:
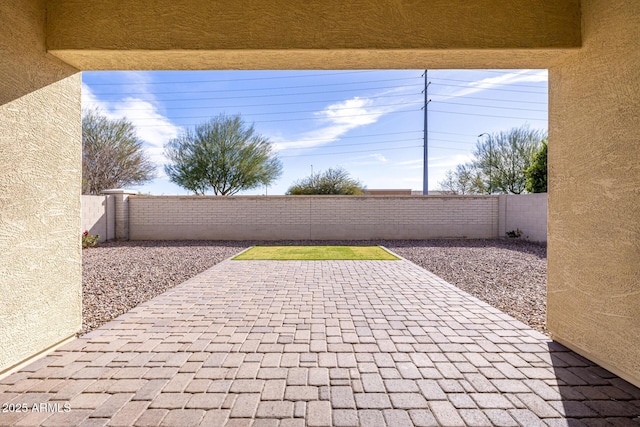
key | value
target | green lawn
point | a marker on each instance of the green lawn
(315, 253)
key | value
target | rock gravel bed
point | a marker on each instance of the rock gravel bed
(117, 276)
(508, 274)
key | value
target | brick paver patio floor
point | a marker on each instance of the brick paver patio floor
(316, 343)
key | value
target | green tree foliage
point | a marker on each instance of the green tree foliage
(537, 172)
(112, 154)
(499, 164)
(223, 155)
(332, 181)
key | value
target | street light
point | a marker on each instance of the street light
(490, 160)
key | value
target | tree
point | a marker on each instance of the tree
(223, 155)
(332, 181)
(499, 163)
(112, 154)
(537, 172)
(464, 180)
(504, 157)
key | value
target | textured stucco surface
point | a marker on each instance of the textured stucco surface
(40, 260)
(194, 34)
(594, 195)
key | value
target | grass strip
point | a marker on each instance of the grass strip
(316, 253)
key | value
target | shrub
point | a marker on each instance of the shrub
(89, 240)
(514, 233)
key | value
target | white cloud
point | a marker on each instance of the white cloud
(315, 138)
(369, 159)
(90, 100)
(537, 76)
(351, 113)
(379, 157)
(449, 162)
(436, 163)
(411, 164)
(339, 118)
(151, 126)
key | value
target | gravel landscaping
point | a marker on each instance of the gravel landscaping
(117, 276)
(508, 274)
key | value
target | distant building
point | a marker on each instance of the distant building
(388, 192)
(434, 193)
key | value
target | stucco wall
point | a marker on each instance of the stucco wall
(284, 34)
(594, 190)
(98, 216)
(40, 268)
(311, 217)
(527, 212)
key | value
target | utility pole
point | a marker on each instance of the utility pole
(490, 160)
(425, 168)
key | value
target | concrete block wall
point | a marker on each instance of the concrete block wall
(98, 216)
(527, 212)
(398, 217)
(311, 217)
(120, 211)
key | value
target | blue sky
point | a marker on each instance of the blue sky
(368, 121)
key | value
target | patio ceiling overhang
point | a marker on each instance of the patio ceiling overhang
(193, 34)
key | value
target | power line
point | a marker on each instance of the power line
(379, 142)
(529, 72)
(490, 88)
(387, 134)
(452, 133)
(276, 94)
(251, 89)
(281, 120)
(489, 106)
(506, 71)
(347, 145)
(370, 151)
(498, 83)
(449, 140)
(449, 148)
(479, 86)
(316, 102)
(356, 151)
(351, 108)
(247, 105)
(490, 99)
(238, 79)
(502, 72)
(489, 115)
(290, 112)
(360, 115)
(360, 136)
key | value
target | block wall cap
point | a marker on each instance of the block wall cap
(118, 191)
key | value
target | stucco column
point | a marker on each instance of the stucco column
(594, 193)
(121, 198)
(40, 164)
